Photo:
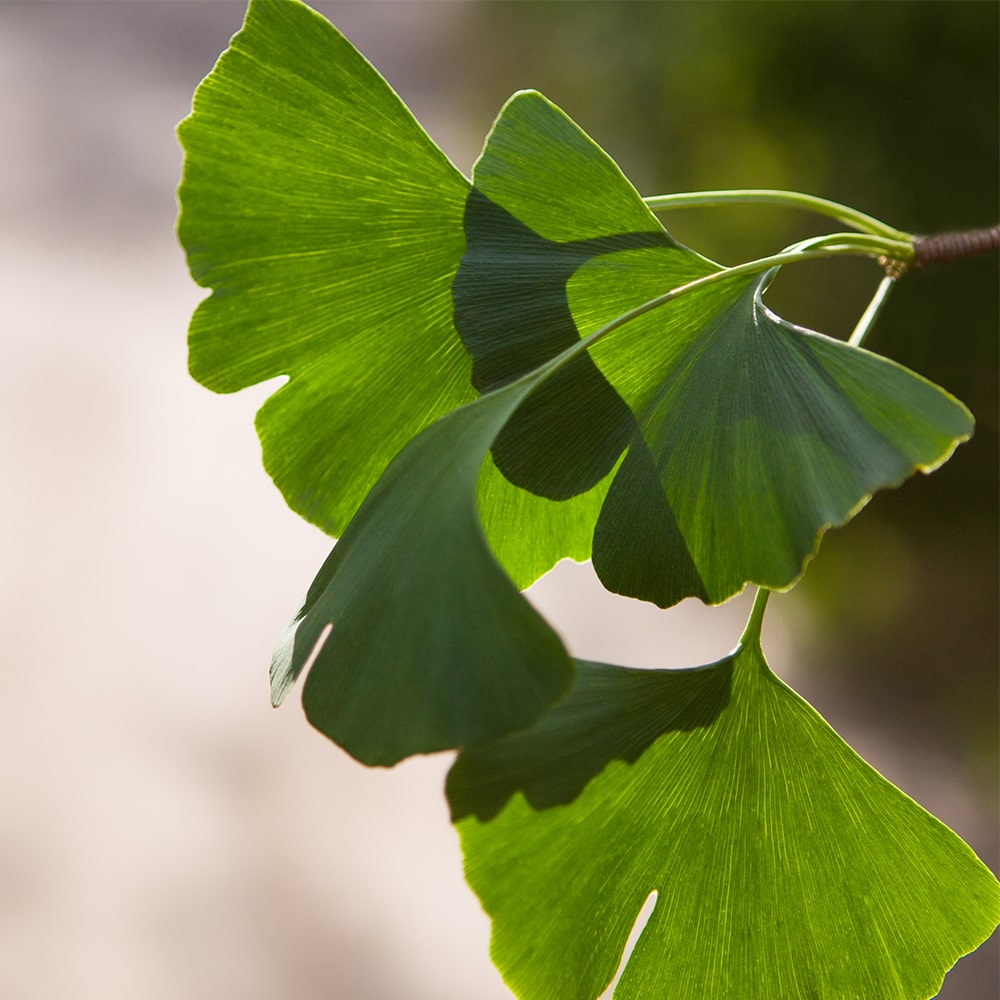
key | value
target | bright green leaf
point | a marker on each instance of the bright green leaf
(784, 866)
(420, 641)
(329, 227)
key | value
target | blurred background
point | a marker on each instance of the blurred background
(163, 832)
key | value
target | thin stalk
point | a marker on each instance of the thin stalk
(816, 249)
(751, 634)
(871, 314)
(898, 252)
(787, 199)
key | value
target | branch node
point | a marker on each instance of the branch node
(893, 266)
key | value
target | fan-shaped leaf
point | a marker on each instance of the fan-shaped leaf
(331, 230)
(420, 640)
(784, 866)
(329, 227)
(756, 436)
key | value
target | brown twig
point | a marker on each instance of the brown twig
(954, 246)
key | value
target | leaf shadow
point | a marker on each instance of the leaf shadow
(512, 314)
(611, 713)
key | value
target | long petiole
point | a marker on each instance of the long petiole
(751, 634)
(817, 248)
(787, 199)
(871, 313)
(899, 251)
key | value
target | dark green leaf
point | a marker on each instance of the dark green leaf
(756, 436)
(784, 866)
(421, 642)
(546, 201)
(331, 230)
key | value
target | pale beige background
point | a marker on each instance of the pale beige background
(164, 833)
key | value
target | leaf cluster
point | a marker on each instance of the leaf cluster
(488, 374)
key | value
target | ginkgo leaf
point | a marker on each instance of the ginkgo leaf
(783, 865)
(756, 436)
(329, 227)
(418, 639)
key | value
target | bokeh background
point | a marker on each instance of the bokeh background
(163, 832)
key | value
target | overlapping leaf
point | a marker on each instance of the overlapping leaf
(746, 436)
(708, 441)
(784, 866)
(756, 435)
(332, 232)
(330, 228)
(547, 200)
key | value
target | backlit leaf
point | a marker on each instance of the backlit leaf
(784, 866)
(331, 230)
(329, 227)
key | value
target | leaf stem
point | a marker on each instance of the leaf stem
(787, 199)
(819, 248)
(890, 252)
(871, 313)
(751, 634)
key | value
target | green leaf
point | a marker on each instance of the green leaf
(784, 866)
(420, 641)
(329, 227)
(756, 436)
